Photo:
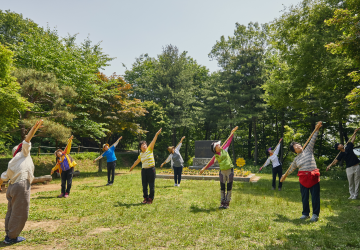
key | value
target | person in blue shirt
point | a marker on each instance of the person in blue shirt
(111, 160)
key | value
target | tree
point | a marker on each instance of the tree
(74, 66)
(11, 102)
(118, 110)
(48, 103)
(170, 80)
(242, 60)
(304, 79)
(13, 25)
(346, 20)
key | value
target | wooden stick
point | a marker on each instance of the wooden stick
(101, 156)
(232, 132)
(344, 146)
(306, 143)
(269, 156)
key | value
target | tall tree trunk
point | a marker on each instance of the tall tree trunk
(254, 119)
(263, 135)
(174, 137)
(341, 163)
(282, 135)
(277, 128)
(321, 140)
(232, 146)
(341, 132)
(187, 146)
(207, 132)
(249, 140)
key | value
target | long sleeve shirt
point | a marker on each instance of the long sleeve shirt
(349, 156)
(305, 161)
(273, 158)
(223, 157)
(65, 162)
(20, 167)
(175, 158)
(110, 154)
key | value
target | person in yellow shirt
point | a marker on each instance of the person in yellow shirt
(148, 173)
(65, 164)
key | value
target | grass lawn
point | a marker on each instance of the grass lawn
(187, 217)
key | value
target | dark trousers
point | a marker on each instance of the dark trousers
(111, 171)
(148, 178)
(315, 198)
(177, 174)
(276, 171)
(66, 179)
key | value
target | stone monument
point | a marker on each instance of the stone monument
(203, 155)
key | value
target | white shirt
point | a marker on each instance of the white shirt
(20, 167)
(274, 158)
(177, 150)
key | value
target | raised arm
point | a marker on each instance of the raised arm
(33, 130)
(276, 152)
(68, 146)
(177, 149)
(26, 146)
(311, 145)
(117, 142)
(134, 165)
(152, 144)
(354, 136)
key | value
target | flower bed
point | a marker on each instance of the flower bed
(212, 172)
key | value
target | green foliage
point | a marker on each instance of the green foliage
(11, 102)
(74, 66)
(13, 26)
(42, 90)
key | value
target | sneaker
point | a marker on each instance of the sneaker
(175, 185)
(178, 185)
(108, 184)
(314, 218)
(304, 217)
(222, 205)
(144, 201)
(279, 189)
(66, 195)
(350, 198)
(272, 188)
(13, 241)
(61, 195)
(226, 205)
(354, 197)
(149, 201)
(6, 240)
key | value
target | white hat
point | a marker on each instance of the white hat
(213, 146)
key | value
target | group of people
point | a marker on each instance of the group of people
(20, 173)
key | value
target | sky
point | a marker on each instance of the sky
(127, 29)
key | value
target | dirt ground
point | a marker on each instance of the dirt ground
(34, 189)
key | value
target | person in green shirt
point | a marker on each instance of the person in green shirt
(226, 173)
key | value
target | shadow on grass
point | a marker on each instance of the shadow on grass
(283, 218)
(171, 186)
(127, 205)
(46, 197)
(196, 209)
